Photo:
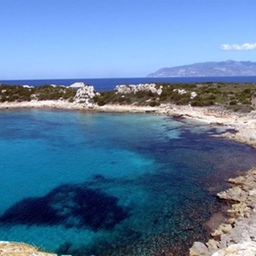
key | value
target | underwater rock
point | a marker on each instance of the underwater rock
(68, 205)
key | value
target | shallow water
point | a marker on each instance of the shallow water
(111, 184)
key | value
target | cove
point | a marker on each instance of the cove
(112, 184)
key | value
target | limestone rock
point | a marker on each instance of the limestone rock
(198, 249)
(213, 244)
(20, 249)
(241, 249)
(77, 85)
(238, 235)
(131, 88)
(235, 194)
(85, 95)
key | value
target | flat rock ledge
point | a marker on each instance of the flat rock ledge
(237, 137)
(237, 236)
(20, 249)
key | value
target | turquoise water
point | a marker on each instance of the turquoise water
(111, 184)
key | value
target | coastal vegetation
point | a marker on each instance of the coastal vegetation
(234, 96)
(19, 93)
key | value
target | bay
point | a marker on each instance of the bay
(112, 184)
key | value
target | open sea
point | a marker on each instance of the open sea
(83, 184)
(108, 84)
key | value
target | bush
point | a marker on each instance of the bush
(154, 103)
(233, 102)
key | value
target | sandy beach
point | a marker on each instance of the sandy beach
(237, 233)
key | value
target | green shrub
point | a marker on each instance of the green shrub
(154, 103)
(233, 102)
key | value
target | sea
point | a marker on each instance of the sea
(108, 84)
(113, 184)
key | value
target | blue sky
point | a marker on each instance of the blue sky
(120, 38)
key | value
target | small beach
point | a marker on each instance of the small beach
(243, 123)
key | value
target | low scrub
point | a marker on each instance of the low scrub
(235, 96)
(45, 92)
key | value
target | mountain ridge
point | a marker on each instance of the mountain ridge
(212, 68)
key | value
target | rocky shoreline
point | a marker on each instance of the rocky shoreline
(237, 236)
(21, 249)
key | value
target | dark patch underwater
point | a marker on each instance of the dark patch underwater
(68, 205)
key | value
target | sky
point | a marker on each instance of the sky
(43, 39)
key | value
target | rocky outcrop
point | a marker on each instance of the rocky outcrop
(237, 137)
(21, 249)
(130, 88)
(244, 249)
(77, 85)
(182, 91)
(85, 95)
(238, 235)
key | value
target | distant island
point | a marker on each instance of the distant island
(204, 69)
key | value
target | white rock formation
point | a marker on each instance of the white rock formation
(77, 85)
(180, 91)
(241, 249)
(131, 88)
(183, 91)
(193, 95)
(27, 86)
(21, 249)
(85, 95)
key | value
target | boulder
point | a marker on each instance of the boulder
(198, 249)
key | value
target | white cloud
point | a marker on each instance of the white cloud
(237, 47)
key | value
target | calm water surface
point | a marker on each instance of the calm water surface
(111, 184)
(108, 84)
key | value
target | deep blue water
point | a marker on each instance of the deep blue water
(108, 84)
(111, 184)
